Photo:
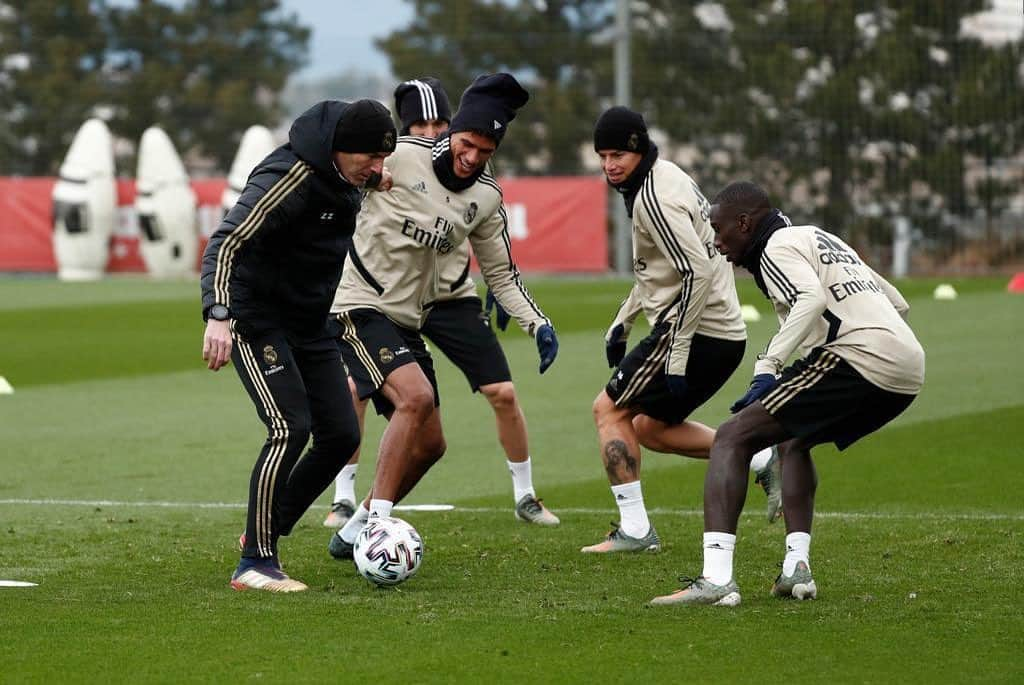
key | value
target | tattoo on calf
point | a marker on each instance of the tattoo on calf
(616, 457)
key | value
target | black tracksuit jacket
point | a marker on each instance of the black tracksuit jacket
(276, 259)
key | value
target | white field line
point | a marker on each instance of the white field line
(852, 515)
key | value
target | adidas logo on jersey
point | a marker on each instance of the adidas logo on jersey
(420, 187)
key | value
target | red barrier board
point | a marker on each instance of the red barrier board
(557, 224)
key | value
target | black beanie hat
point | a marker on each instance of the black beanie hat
(620, 128)
(421, 100)
(489, 104)
(364, 126)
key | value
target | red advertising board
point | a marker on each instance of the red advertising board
(557, 224)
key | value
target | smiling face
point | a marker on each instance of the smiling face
(357, 167)
(733, 231)
(618, 165)
(470, 152)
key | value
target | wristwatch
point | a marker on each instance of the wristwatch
(219, 312)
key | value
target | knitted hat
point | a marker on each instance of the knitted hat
(364, 126)
(489, 104)
(421, 100)
(620, 128)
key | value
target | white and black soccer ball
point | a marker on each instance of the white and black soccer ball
(388, 551)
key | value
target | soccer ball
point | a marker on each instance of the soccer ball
(387, 551)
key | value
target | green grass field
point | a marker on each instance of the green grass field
(125, 462)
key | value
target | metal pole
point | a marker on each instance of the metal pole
(623, 242)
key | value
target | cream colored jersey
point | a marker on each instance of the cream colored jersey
(453, 279)
(825, 296)
(404, 235)
(679, 276)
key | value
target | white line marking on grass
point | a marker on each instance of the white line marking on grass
(853, 515)
(16, 583)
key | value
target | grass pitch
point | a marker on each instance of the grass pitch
(125, 464)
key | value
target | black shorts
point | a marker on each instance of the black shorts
(639, 381)
(821, 398)
(372, 346)
(462, 330)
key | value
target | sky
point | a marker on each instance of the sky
(343, 33)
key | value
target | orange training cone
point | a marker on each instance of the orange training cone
(1016, 284)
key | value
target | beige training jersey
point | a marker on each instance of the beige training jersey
(679, 275)
(453, 279)
(826, 296)
(403, 236)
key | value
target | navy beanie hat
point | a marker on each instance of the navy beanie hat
(489, 104)
(364, 126)
(421, 99)
(620, 128)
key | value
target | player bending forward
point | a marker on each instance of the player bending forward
(863, 367)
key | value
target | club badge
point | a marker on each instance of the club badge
(270, 355)
(634, 141)
(470, 213)
(386, 355)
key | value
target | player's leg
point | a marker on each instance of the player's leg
(636, 386)
(343, 504)
(335, 428)
(268, 372)
(800, 482)
(428, 447)
(620, 454)
(460, 330)
(725, 490)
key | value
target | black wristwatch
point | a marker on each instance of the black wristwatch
(219, 312)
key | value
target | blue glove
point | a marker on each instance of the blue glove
(501, 317)
(759, 387)
(676, 384)
(615, 346)
(547, 346)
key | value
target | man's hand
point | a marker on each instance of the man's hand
(677, 385)
(547, 346)
(217, 344)
(759, 387)
(382, 182)
(501, 317)
(615, 346)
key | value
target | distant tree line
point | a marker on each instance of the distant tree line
(204, 70)
(850, 111)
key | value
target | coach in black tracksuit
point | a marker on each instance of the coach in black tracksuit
(269, 275)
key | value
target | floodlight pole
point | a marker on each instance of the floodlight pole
(623, 233)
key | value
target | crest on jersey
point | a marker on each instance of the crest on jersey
(634, 141)
(386, 355)
(470, 213)
(270, 355)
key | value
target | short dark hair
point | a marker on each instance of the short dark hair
(743, 194)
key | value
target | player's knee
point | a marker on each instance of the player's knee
(295, 431)
(502, 396)
(733, 437)
(603, 408)
(417, 402)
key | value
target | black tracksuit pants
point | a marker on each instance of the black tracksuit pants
(300, 389)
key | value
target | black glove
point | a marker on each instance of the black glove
(759, 387)
(677, 385)
(615, 346)
(547, 346)
(501, 317)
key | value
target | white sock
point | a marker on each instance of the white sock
(632, 514)
(380, 508)
(522, 478)
(718, 548)
(798, 548)
(354, 524)
(761, 459)
(345, 484)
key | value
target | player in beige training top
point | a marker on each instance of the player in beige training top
(457, 326)
(441, 196)
(687, 292)
(860, 367)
